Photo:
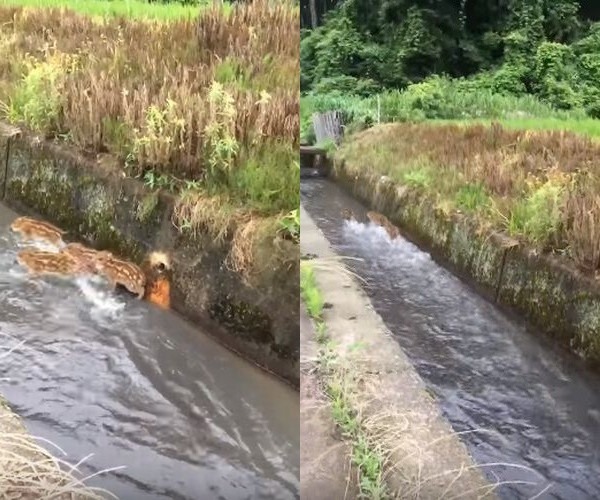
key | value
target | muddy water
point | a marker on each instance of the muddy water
(528, 403)
(105, 374)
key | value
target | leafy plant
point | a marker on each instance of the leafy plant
(419, 177)
(37, 99)
(290, 224)
(220, 131)
(472, 198)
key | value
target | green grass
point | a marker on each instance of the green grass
(538, 215)
(472, 197)
(588, 127)
(310, 293)
(419, 177)
(138, 9)
(266, 180)
(365, 457)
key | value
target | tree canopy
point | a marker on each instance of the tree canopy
(550, 48)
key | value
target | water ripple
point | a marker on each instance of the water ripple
(139, 387)
(537, 407)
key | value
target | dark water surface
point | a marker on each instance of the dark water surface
(539, 409)
(105, 374)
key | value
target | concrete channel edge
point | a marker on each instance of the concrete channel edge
(431, 458)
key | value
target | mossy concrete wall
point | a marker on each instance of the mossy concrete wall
(94, 201)
(548, 291)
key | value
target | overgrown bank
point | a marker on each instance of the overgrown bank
(412, 60)
(186, 143)
(517, 211)
(206, 107)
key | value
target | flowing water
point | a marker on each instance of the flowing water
(106, 374)
(532, 405)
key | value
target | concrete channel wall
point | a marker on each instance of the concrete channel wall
(96, 203)
(546, 290)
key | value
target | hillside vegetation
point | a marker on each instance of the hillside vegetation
(499, 102)
(454, 60)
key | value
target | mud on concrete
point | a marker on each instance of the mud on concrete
(426, 458)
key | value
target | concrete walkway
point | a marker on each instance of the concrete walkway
(429, 459)
(324, 459)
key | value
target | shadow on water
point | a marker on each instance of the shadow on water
(538, 409)
(105, 374)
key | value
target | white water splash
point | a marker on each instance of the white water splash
(397, 253)
(104, 304)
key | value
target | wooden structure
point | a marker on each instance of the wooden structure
(328, 127)
(313, 159)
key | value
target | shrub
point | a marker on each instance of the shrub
(347, 85)
(37, 99)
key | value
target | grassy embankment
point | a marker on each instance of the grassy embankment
(512, 163)
(541, 187)
(204, 106)
(441, 101)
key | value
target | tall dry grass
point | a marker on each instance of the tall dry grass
(141, 89)
(208, 107)
(542, 186)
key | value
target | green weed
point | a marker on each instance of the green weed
(222, 146)
(419, 177)
(472, 198)
(36, 100)
(160, 136)
(232, 71)
(366, 458)
(321, 332)
(154, 180)
(265, 179)
(290, 224)
(310, 292)
(538, 216)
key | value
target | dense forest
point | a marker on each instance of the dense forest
(546, 48)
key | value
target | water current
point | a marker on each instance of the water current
(524, 405)
(138, 387)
